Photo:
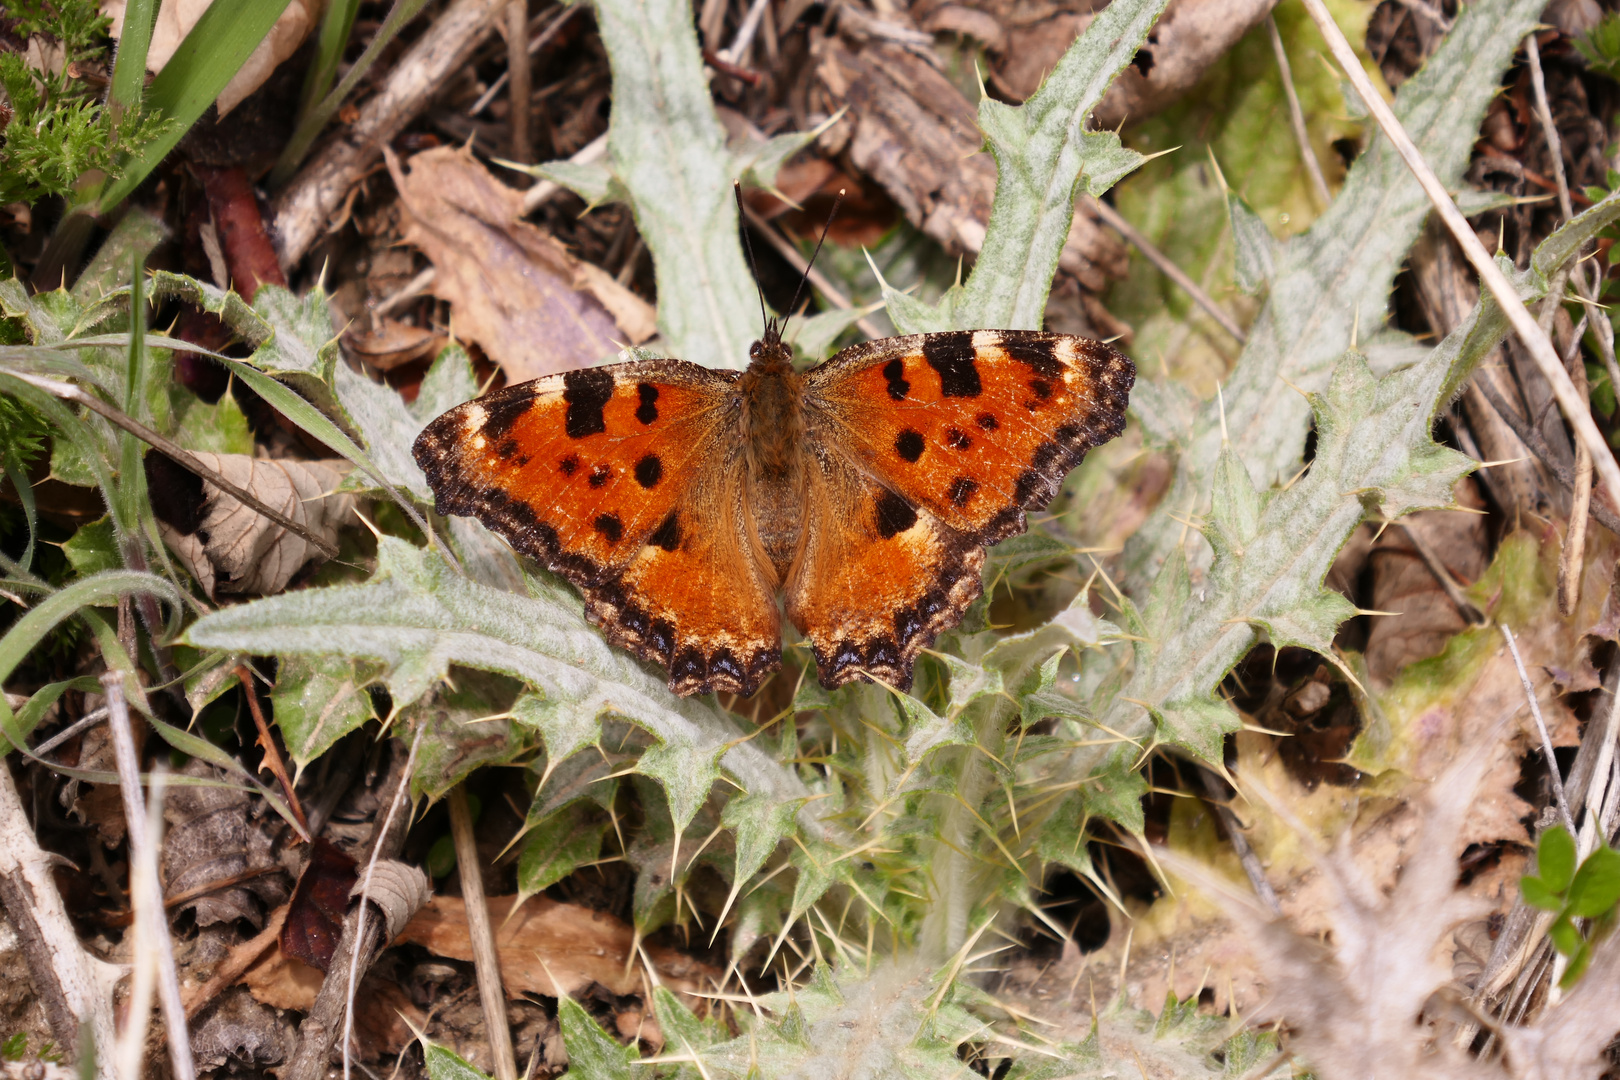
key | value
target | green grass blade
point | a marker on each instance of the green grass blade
(314, 118)
(129, 70)
(210, 56)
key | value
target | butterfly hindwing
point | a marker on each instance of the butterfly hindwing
(976, 426)
(624, 480)
(879, 578)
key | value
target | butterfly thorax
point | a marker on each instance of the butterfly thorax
(773, 437)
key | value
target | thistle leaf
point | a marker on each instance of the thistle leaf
(1254, 249)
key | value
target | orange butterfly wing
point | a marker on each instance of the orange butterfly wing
(977, 426)
(931, 447)
(627, 481)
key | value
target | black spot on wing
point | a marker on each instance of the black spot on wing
(894, 515)
(647, 411)
(1041, 387)
(507, 449)
(667, 535)
(587, 392)
(909, 445)
(953, 356)
(649, 470)
(504, 409)
(610, 527)
(1037, 353)
(987, 421)
(568, 465)
(962, 489)
(895, 373)
(957, 439)
(599, 476)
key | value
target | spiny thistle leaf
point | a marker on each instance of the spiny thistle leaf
(416, 617)
(1255, 253)
(1333, 276)
(1041, 149)
(593, 1054)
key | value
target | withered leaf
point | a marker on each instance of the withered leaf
(515, 290)
(315, 916)
(228, 546)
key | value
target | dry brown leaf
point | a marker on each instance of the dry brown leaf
(175, 19)
(384, 1012)
(515, 290)
(546, 941)
(231, 547)
(391, 343)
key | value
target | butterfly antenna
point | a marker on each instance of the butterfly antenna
(809, 265)
(748, 245)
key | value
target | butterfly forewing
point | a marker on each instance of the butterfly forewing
(626, 480)
(976, 426)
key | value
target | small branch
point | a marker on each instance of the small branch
(517, 67)
(1169, 269)
(272, 756)
(1296, 115)
(486, 957)
(1240, 843)
(821, 282)
(1538, 446)
(1576, 410)
(1546, 739)
(83, 724)
(181, 456)
(1555, 145)
(536, 43)
(733, 53)
(142, 845)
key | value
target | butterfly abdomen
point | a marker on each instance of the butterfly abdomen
(773, 432)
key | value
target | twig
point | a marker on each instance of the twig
(1576, 410)
(84, 723)
(1538, 446)
(1546, 739)
(536, 43)
(1471, 614)
(733, 53)
(267, 743)
(1296, 115)
(1169, 269)
(517, 68)
(66, 977)
(486, 957)
(407, 292)
(1555, 145)
(142, 847)
(301, 212)
(1240, 843)
(822, 283)
(68, 392)
(595, 150)
(1598, 792)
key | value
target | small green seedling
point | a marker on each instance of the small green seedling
(1590, 892)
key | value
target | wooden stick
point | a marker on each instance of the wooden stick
(486, 957)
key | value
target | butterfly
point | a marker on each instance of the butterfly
(682, 500)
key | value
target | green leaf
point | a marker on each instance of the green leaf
(317, 701)
(93, 548)
(1555, 859)
(210, 56)
(1596, 888)
(667, 149)
(1116, 793)
(593, 1054)
(416, 617)
(759, 822)
(557, 847)
(442, 1063)
(1537, 895)
(1565, 938)
(564, 728)
(1254, 249)
(468, 727)
(686, 771)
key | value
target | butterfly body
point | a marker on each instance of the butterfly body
(682, 501)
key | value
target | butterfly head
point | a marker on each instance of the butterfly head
(770, 352)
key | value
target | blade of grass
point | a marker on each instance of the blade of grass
(210, 56)
(129, 70)
(336, 26)
(314, 119)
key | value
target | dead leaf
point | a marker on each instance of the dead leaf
(384, 1012)
(175, 19)
(547, 940)
(390, 343)
(515, 290)
(229, 546)
(212, 839)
